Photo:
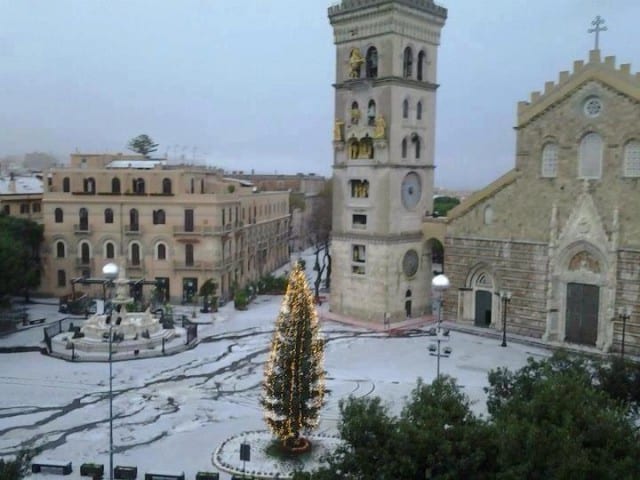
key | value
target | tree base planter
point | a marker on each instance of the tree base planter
(125, 473)
(302, 445)
(92, 470)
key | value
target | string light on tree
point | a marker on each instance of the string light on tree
(293, 390)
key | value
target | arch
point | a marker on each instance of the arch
(404, 148)
(590, 156)
(108, 215)
(371, 113)
(84, 250)
(407, 63)
(366, 147)
(354, 149)
(138, 186)
(135, 253)
(434, 252)
(161, 250)
(58, 215)
(166, 186)
(405, 108)
(632, 159)
(549, 160)
(419, 111)
(415, 138)
(159, 217)
(115, 185)
(109, 250)
(482, 286)
(89, 185)
(422, 57)
(355, 113)
(61, 249)
(83, 219)
(66, 184)
(372, 62)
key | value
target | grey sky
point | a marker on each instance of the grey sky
(247, 84)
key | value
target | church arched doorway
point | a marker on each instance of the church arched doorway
(483, 288)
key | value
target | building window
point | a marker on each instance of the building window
(188, 220)
(89, 185)
(58, 215)
(60, 250)
(159, 217)
(35, 207)
(134, 224)
(405, 108)
(419, 111)
(161, 251)
(632, 159)
(166, 186)
(135, 254)
(62, 278)
(108, 215)
(371, 113)
(421, 64)
(359, 221)
(115, 185)
(550, 160)
(6, 209)
(407, 64)
(138, 186)
(188, 254)
(85, 253)
(416, 143)
(66, 184)
(109, 250)
(24, 208)
(359, 188)
(83, 218)
(590, 156)
(372, 62)
(359, 259)
(488, 215)
(404, 148)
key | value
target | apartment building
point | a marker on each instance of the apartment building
(21, 196)
(178, 224)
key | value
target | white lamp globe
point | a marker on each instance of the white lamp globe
(440, 283)
(110, 270)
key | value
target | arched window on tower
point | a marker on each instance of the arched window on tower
(405, 108)
(407, 64)
(422, 58)
(415, 138)
(355, 113)
(590, 156)
(372, 62)
(550, 160)
(404, 148)
(632, 159)
(419, 111)
(371, 113)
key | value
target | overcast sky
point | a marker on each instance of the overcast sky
(246, 84)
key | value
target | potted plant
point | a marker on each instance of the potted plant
(207, 292)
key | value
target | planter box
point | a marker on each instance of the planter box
(125, 473)
(207, 476)
(92, 469)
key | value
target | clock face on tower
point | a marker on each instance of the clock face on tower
(411, 190)
(410, 263)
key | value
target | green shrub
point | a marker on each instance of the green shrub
(240, 300)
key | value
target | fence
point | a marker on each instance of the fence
(64, 325)
(191, 329)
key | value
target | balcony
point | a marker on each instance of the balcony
(194, 266)
(195, 230)
(82, 229)
(132, 229)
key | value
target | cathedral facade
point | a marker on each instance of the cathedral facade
(560, 232)
(385, 104)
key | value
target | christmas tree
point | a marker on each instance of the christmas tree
(294, 375)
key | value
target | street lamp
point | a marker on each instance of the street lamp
(439, 284)
(505, 297)
(624, 313)
(110, 272)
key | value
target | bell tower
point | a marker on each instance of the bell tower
(383, 139)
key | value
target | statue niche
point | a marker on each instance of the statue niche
(355, 62)
(584, 261)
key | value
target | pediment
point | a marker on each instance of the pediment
(584, 225)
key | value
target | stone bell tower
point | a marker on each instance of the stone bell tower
(383, 138)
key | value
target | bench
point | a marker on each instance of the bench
(52, 465)
(163, 476)
(92, 470)
(207, 476)
(125, 473)
(36, 321)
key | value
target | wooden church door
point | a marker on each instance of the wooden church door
(483, 308)
(582, 313)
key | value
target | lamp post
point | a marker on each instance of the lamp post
(505, 297)
(110, 271)
(624, 313)
(439, 284)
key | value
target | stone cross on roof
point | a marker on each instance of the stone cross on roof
(597, 28)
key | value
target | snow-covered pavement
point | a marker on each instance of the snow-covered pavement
(171, 413)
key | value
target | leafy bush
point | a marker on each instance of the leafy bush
(240, 300)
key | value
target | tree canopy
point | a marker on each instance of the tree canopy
(20, 264)
(142, 144)
(562, 418)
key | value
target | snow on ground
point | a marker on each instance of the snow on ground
(171, 413)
